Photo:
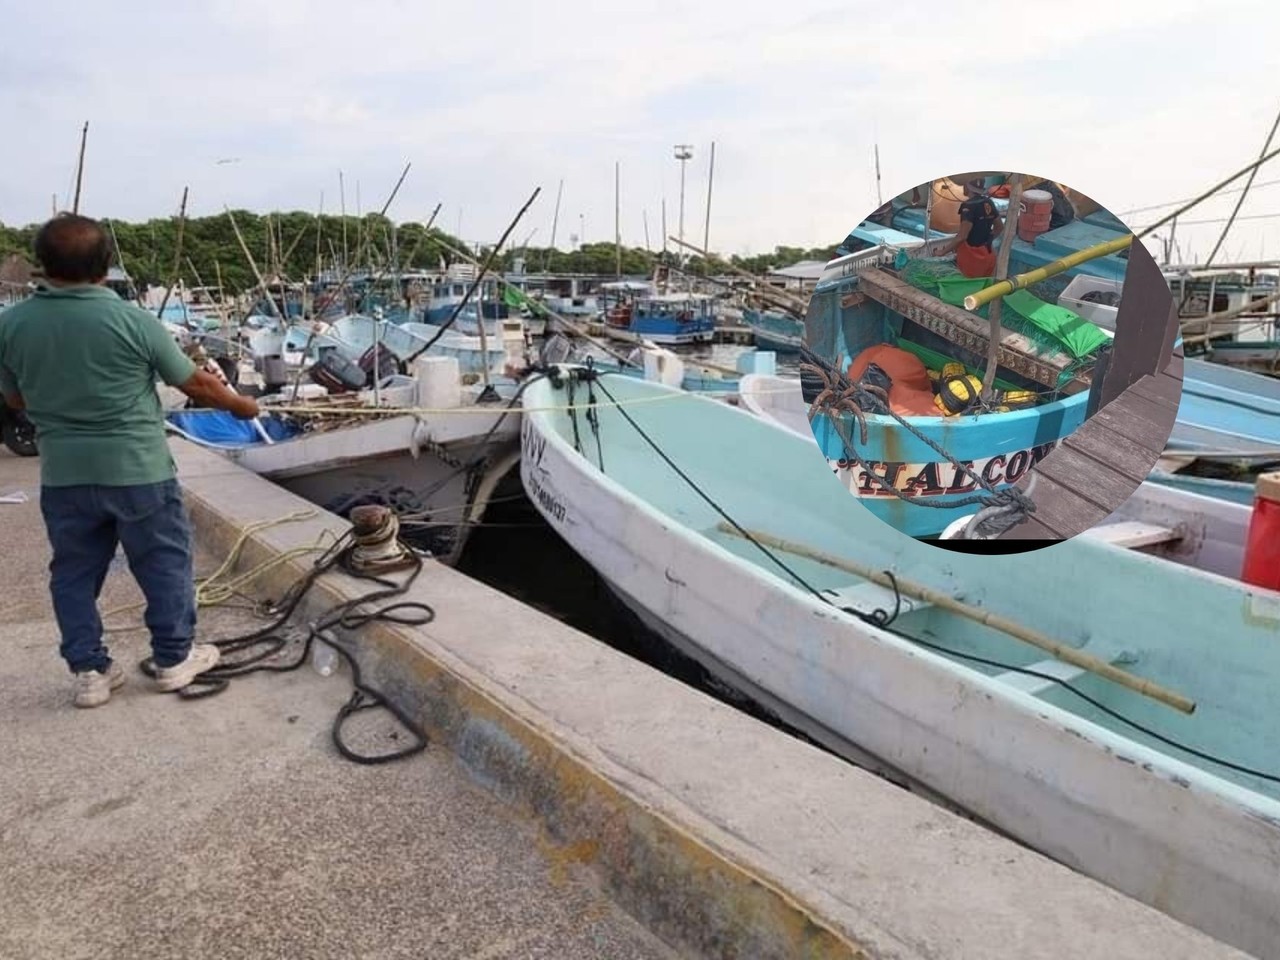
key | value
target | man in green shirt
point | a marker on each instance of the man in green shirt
(83, 364)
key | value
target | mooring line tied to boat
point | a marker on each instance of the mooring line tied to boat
(883, 619)
(369, 551)
(1001, 510)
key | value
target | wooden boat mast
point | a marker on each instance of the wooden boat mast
(177, 253)
(84, 137)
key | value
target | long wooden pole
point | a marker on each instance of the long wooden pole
(1024, 280)
(568, 324)
(1059, 651)
(1208, 193)
(177, 252)
(797, 303)
(348, 269)
(1243, 194)
(1002, 271)
(475, 284)
(617, 217)
(84, 137)
(711, 172)
(342, 204)
(244, 247)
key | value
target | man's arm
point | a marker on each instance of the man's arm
(178, 370)
(9, 390)
(961, 235)
(206, 389)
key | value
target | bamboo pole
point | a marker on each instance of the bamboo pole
(1243, 194)
(1024, 280)
(84, 137)
(711, 172)
(484, 268)
(347, 268)
(1002, 271)
(177, 253)
(1059, 651)
(797, 303)
(1208, 193)
(254, 265)
(569, 324)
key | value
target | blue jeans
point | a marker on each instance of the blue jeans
(85, 523)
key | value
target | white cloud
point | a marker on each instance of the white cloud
(489, 100)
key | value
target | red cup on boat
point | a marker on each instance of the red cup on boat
(1262, 547)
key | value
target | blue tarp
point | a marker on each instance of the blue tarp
(220, 429)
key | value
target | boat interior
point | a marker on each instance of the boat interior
(1208, 638)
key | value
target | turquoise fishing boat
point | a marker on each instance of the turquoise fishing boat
(880, 297)
(779, 332)
(1230, 491)
(1194, 521)
(1227, 414)
(714, 527)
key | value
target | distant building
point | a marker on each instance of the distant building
(800, 277)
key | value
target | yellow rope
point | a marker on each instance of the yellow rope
(428, 411)
(211, 593)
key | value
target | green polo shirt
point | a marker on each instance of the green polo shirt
(86, 364)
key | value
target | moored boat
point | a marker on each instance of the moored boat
(656, 490)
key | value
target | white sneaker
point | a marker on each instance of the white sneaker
(93, 688)
(203, 656)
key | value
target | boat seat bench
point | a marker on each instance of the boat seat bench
(1132, 534)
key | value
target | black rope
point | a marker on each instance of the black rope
(267, 641)
(882, 619)
(840, 395)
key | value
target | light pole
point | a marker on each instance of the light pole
(683, 152)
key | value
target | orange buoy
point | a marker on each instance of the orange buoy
(1262, 548)
(911, 392)
(944, 215)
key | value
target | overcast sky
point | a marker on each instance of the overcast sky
(1134, 103)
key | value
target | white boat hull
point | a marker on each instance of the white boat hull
(417, 468)
(1193, 845)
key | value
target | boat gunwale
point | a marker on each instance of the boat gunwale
(1034, 709)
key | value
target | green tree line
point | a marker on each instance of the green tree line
(296, 243)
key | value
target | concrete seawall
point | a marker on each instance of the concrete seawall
(723, 836)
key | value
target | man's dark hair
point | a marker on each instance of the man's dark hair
(73, 249)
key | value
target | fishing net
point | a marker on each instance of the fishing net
(1049, 327)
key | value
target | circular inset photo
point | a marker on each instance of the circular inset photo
(992, 356)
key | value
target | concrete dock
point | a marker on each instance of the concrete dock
(573, 802)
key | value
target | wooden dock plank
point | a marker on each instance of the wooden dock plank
(1108, 483)
(1098, 467)
(1060, 512)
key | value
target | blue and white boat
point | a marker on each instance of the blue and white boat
(774, 330)
(670, 319)
(1227, 414)
(999, 736)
